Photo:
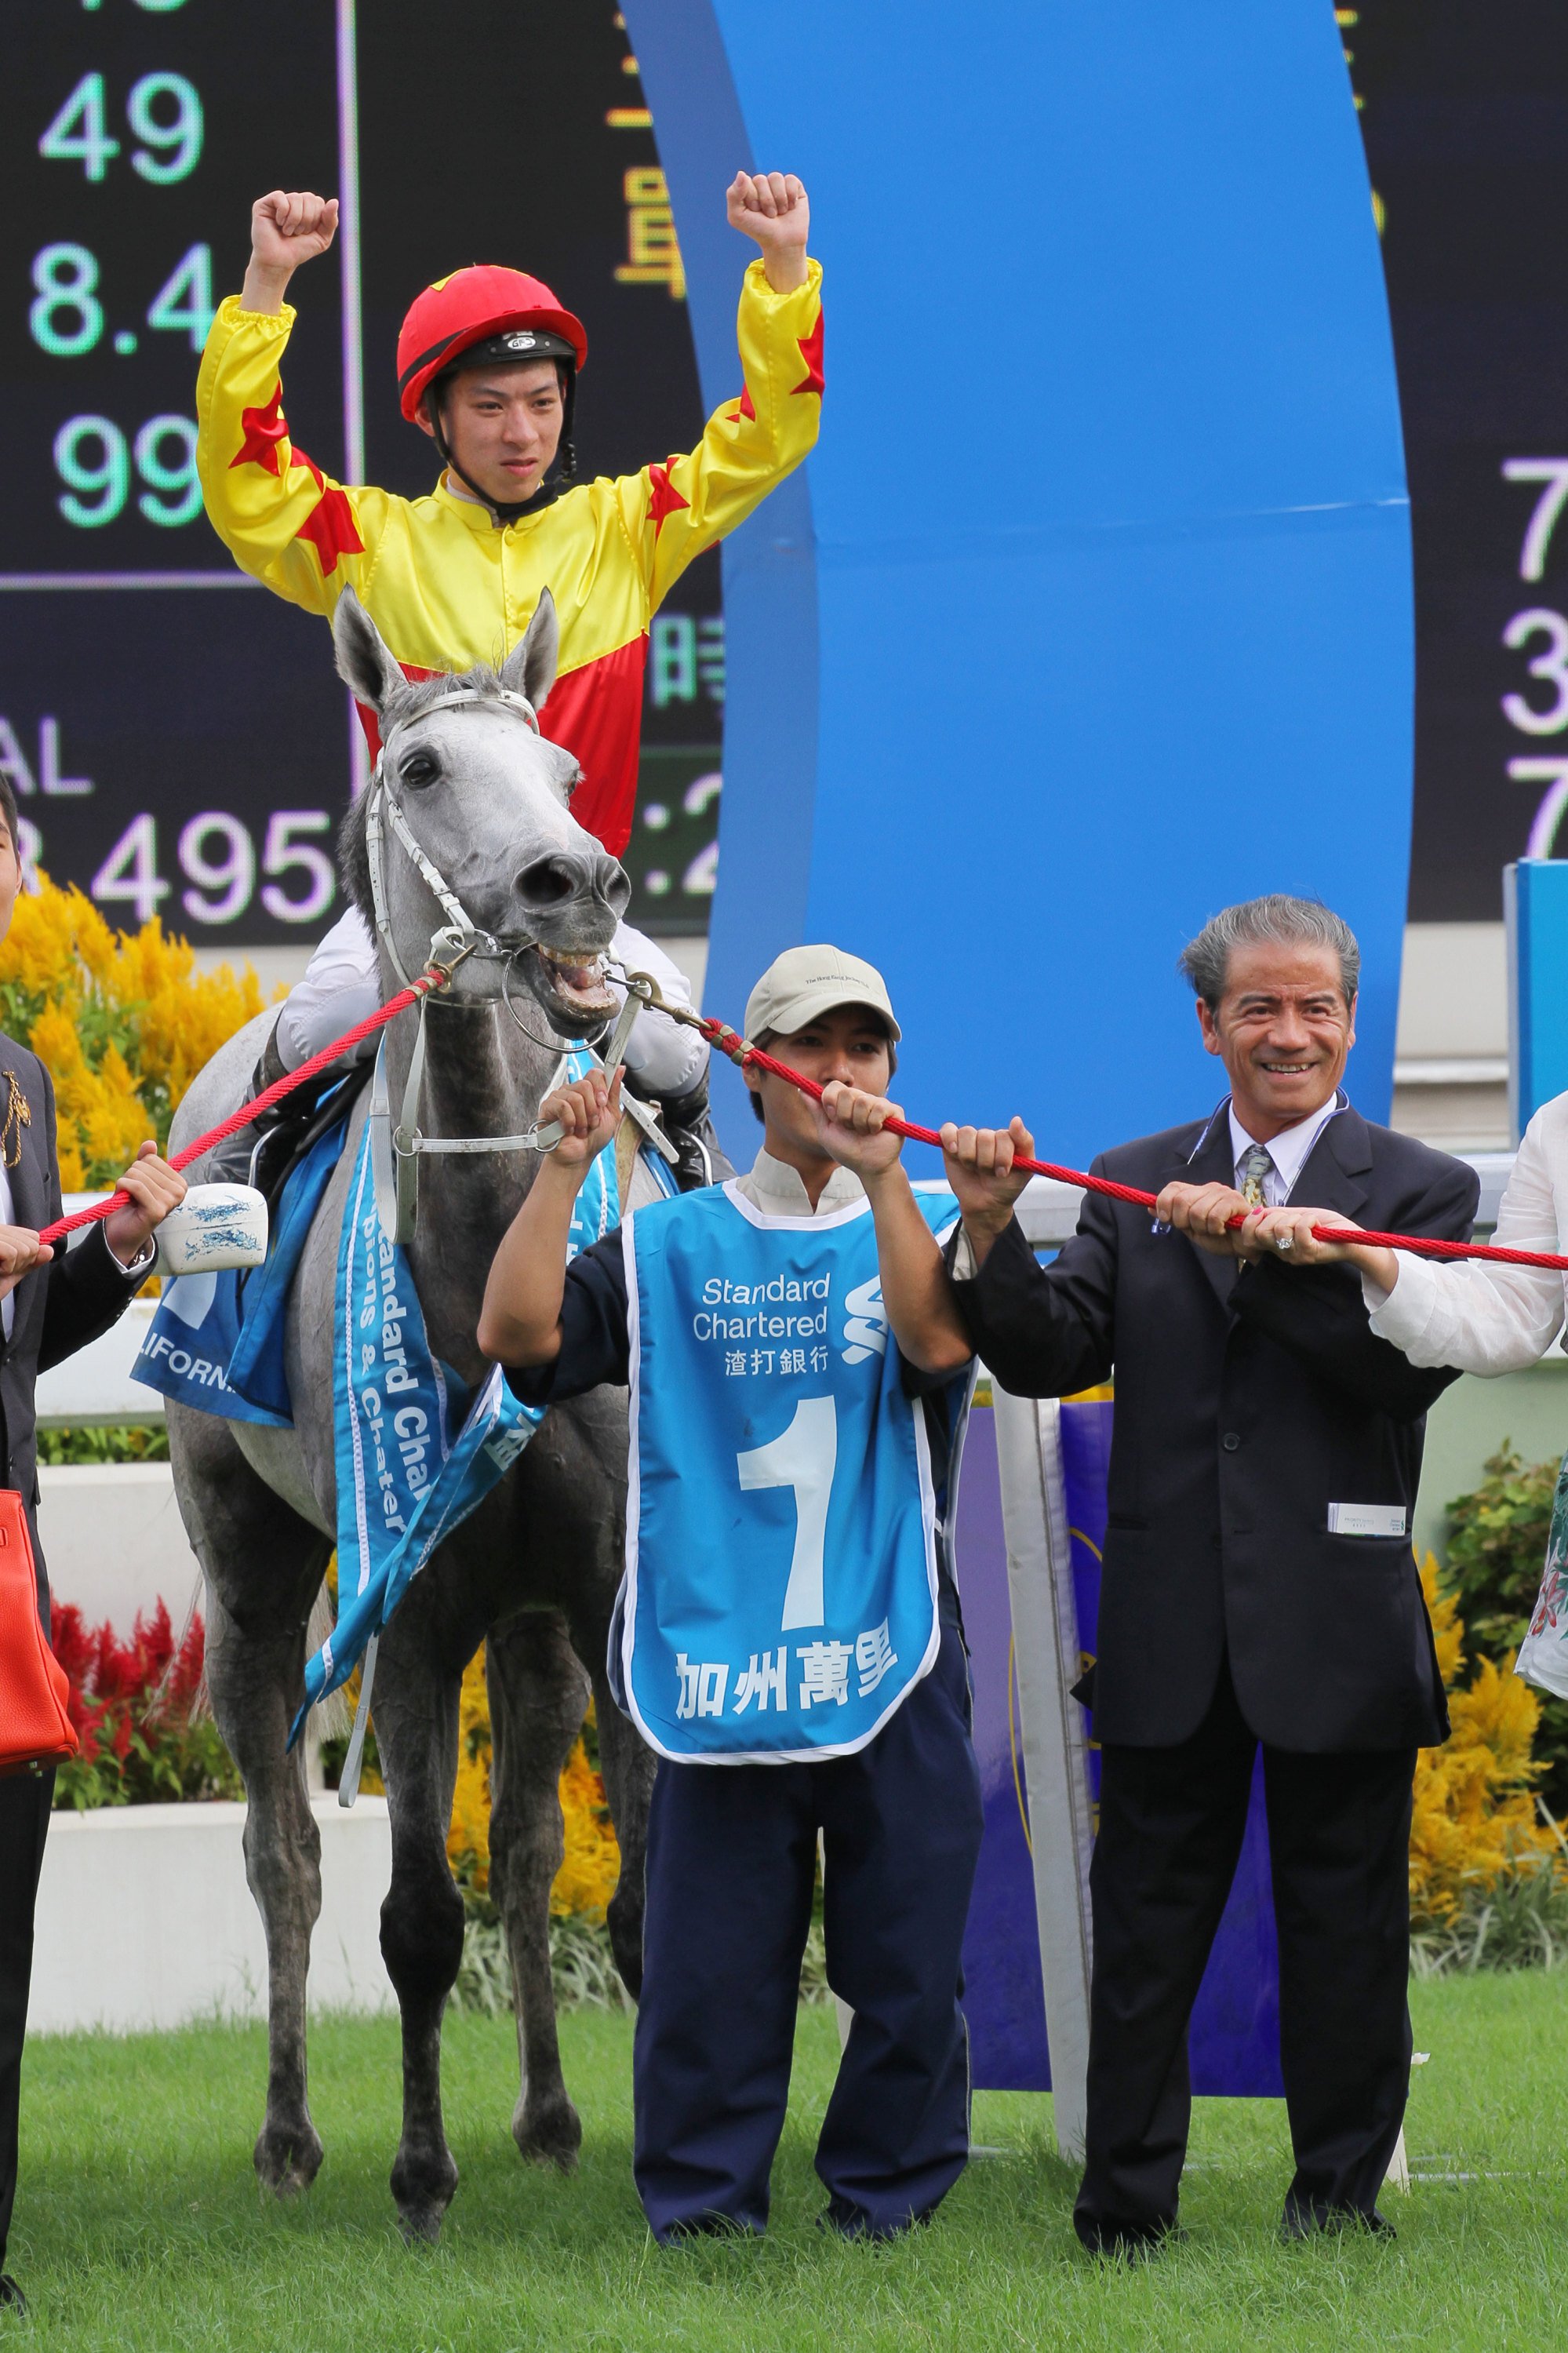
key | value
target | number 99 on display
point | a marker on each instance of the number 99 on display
(93, 461)
(217, 855)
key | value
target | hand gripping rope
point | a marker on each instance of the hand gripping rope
(642, 987)
(435, 976)
(741, 1051)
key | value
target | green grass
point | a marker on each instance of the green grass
(139, 2223)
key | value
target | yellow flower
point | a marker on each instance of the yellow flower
(1474, 1813)
(122, 1022)
(586, 1879)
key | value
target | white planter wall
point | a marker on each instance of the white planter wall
(115, 1542)
(145, 1920)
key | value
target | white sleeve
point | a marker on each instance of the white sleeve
(665, 1056)
(1481, 1317)
(342, 986)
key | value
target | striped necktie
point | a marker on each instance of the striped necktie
(1258, 1165)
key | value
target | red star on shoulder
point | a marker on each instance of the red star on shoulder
(664, 499)
(263, 429)
(746, 409)
(811, 352)
(329, 525)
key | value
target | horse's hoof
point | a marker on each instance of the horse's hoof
(286, 2158)
(422, 2196)
(550, 2134)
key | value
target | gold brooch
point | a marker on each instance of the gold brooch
(18, 1115)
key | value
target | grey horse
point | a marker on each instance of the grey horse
(533, 1572)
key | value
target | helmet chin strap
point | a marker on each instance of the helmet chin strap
(509, 510)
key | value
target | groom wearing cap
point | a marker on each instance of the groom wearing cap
(787, 1636)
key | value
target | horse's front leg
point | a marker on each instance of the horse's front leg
(538, 1693)
(415, 1705)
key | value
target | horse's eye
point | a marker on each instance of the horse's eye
(419, 770)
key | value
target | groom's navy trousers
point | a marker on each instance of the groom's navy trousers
(731, 1860)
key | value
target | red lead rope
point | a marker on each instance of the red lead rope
(432, 979)
(739, 1049)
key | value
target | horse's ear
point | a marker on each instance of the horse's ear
(366, 667)
(529, 668)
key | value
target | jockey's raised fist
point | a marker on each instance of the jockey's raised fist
(770, 207)
(287, 227)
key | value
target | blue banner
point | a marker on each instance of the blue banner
(414, 1455)
(216, 1340)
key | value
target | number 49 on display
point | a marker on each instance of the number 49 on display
(218, 858)
(169, 149)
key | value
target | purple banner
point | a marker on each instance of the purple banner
(1235, 2037)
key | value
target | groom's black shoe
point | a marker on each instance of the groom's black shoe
(11, 2296)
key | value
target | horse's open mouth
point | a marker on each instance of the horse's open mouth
(572, 987)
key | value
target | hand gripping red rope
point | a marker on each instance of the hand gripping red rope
(433, 977)
(740, 1051)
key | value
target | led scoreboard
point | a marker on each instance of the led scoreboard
(1464, 112)
(176, 735)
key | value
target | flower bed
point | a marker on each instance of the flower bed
(123, 1021)
(137, 1706)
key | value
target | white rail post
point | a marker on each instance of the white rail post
(1056, 1759)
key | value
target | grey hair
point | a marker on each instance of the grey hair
(1278, 920)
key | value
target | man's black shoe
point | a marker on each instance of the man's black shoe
(11, 2296)
(1312, 2223)
(1127, 2245)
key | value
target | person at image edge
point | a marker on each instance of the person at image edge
(1259, 1589)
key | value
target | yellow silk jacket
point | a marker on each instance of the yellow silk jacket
(449, 587)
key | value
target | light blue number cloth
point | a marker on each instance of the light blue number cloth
(780, 1598)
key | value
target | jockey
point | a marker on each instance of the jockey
(487, 366)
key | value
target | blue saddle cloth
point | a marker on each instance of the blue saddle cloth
(216, 1340)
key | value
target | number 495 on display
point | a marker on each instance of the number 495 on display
(218, 858)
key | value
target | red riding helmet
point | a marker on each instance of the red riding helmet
(483, 305)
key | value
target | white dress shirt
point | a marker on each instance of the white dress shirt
(1290, 1151)
(1482, 1317)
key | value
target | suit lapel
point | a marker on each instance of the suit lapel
(29, 1186)
(1331, 1177)
(1212, 1164)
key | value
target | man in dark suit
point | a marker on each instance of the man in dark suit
(1258, 1582)
(50, 1305)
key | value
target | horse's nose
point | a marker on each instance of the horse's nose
(553, 881)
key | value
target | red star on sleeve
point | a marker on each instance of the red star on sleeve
(746, 409)
(664, 499)
(329, 525)
(811, 352)
(263, 429)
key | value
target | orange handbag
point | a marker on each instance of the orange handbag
(36, 1728)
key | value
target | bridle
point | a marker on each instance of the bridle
(395, 1150)
(460, 932)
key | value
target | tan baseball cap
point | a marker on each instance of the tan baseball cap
(804, 983)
